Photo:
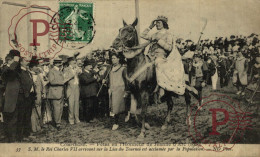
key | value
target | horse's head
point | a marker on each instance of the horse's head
(127, 36)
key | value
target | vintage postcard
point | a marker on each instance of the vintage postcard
(129, 78)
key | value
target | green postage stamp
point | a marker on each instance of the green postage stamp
(76, 22)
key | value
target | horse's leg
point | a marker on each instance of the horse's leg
(169, 102)
(188, 102)
(143, 99)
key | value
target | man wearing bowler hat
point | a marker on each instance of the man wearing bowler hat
(17, 105)
(88, 90)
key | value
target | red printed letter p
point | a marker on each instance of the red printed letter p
(35, 33)
(214, 120)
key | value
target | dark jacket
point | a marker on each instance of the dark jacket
(88, 84)
(222, 67)
(26, 82)
(12, 83)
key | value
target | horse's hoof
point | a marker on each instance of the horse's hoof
(164, 127)
(147, 126)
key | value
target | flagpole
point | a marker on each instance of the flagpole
(137, 16)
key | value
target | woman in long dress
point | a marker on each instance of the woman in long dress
(117, 89)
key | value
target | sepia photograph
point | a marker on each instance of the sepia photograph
(130, 76)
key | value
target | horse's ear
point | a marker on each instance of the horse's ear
(124, 22)
(135, 22)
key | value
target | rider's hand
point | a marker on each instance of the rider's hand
(152, 24)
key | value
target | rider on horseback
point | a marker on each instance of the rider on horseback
(161, 46)
(161, 43)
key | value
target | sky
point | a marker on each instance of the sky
(186, 19)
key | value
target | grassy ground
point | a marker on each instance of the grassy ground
(177, 132)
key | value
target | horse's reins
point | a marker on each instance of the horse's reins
(124, 47)
(135, 48)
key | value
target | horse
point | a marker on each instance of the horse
(145, 83)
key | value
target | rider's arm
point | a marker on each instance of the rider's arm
(167, 43)
(145, 34)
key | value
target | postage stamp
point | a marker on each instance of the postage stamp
(219, 123)
(78, 21)
(75, 24)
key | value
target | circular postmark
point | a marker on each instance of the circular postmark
(218, 124)
(37, 40)
(76, 25)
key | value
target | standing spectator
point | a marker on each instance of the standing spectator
(36, 117)
(56, 90)
(117, 89)
(47, 112)
(88, 91)
(222, 68)
(72, 92)
(240, 73)
(211, 70)
(103, 94)
(214, 78)
(17, 106)
(199, 72)
(235, 48)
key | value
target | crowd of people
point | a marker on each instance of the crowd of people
(235, 57)
(33, 94)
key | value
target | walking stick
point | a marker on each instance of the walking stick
(38, 115)
(103, 83)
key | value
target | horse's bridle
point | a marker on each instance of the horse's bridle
(121, 39)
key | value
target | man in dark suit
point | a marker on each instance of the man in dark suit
(25, 111)
(11, 83)
(222, 68)
(88, 90)
(16, 109)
